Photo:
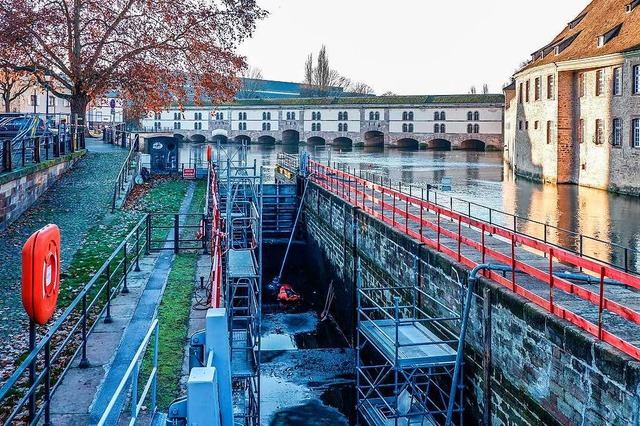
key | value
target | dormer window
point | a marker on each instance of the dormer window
(562, 45)
(606, 37)
(630, 6)
(576, 21)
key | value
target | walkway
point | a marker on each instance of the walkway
(603, 307)
(75, 203)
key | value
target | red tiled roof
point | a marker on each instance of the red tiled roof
(599, 17)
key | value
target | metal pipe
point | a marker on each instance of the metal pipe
(586, 278)
(463, 329)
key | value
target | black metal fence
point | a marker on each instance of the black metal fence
(26, 396)
(33, 150)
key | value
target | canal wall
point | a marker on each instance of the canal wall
(21, 188)
(522, 365)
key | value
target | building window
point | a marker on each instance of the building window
(34, 100)
(313, 126)
(526, 125)
(476, 128)
(551, 87)
(156, 125)
(519, 125)
(537, 87)
(549, 126)
(526, 91)
(176, 116)
(410, 129)
(410, 115)
(377, 115)
(157, 116)
(636, 80)
(264, 115)
(345, 115)
(476, 116)
(443, 116)
(470, 127)
(635, 136)
(340, 115)
(436, 115)
(52, 101)
(293, 115)
(219, 116)
(581, 84)
(197, 125)
(374, 115)
(581, 131)
(404, 127)
(288, 116)
(617, 81)
(242, 116)
(599, 140)
(319, 116)
(197, 116)
(469, 116)
(617, 132)
(339, 127)
(345, 127)
(239, 116)
(443, 128)
(264, 125)
(520, 94)
(535, 124)
(599, 82)
(177, 125)
(371, 115)
(436, 128)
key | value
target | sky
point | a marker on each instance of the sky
(407, 46)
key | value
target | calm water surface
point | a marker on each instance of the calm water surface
(483, 178)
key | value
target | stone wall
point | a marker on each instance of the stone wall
(542, 369)
(20, 189)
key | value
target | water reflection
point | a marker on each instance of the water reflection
(481, 177)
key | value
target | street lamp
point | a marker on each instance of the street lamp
(35, 100)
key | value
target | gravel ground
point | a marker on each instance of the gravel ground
(75, 203)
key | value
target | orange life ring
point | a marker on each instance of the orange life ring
(41, 273)
(209, 153)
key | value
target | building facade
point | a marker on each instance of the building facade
(444, 122)
(572, 115)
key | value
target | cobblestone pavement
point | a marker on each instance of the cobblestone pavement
(75, 203)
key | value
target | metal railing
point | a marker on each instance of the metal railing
(26, 151)
(131, 377)
(26, 395)
(122, 184)
(442, 229)
(184, 236)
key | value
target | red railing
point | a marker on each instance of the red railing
(442, 230)
(216, 241)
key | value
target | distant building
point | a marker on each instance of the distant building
(439, 122)
(572, 115)
(272, 89)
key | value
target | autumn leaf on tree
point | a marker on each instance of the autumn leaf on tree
(152, 52)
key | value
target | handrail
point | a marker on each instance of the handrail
(512, 221)
(134, 370)
(419, 218)
(105, 283)
(125, 171)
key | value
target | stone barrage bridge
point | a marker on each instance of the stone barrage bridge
(471, 122)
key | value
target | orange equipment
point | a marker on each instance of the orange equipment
(287, 294)
(41, 273)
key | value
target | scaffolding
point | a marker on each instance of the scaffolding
(407, 360)
(240, 186)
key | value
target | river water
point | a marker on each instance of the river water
(483, 178)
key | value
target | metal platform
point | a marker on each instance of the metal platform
(377, 413)
(241, 264)
(416, 346)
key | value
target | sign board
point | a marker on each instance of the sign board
(188, 173)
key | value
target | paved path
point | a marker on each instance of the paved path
(75, 203)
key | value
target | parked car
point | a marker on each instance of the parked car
(25, 126)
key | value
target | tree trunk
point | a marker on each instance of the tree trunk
(7, 102)
(79, 104)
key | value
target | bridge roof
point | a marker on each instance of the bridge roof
(377, 100)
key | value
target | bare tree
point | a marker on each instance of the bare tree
(308, 70)
(389, 93)
(361, 88)
(322, 80)
(250, 79)
(12, 85)
(485, 88)
(472, 90)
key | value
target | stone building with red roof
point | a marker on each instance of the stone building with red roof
(572, 114)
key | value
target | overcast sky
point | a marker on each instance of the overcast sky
(407, 46)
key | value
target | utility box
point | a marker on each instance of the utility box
(203, 406)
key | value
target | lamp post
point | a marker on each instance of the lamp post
(35, 100)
